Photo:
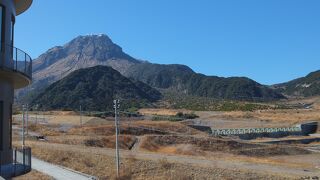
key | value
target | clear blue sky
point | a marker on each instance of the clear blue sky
(270, 41)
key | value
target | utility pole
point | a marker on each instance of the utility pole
(80, 115)
(116, 106)
(43, 116)
(27, 119)
(23, 125)
(36, 108)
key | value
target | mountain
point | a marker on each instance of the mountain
(95, 88)
(81, 52)
(93, 50)
(306, 86)
(182, 79)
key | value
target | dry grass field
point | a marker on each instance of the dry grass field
(271, 117)
(173, 150)
(198, 145)
(125, 141)
(290, 116)
(135, 128)
(34, 175)
(57, 117)
(103, 166)
(162, 112)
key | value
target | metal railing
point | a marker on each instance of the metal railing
(22, 157)
(21, 163)
(17, 60)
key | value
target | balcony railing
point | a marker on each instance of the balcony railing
(21, 163)
(16, 60)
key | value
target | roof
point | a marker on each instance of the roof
(22, 5)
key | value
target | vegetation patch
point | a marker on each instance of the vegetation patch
(125, 142)
(211, 104)
(161, 143)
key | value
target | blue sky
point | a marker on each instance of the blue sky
(270, 41)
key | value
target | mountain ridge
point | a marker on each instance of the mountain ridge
(306, 86)
(94, 50)
(183, 79)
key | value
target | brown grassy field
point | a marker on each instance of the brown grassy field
(170, 138)
(103, 167)
(162, 112)
(136, 128)
(125, 141)
(34, 175)
(290, 115)
(188, 145)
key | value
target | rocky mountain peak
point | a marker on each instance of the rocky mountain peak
(99, 47)
(88, 50)
(101, 39)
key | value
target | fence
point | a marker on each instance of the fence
(19, 61)
(21, 163)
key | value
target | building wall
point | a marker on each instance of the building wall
(6, 86)
(9, 13)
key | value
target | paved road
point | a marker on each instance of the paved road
(198, 161)
(58, 172)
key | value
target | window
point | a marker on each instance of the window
(10, 128)
(12, 35)
(1, 124)
(2, 26)
(12, 30)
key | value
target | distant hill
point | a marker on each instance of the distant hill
(95, 88)
(181, 79)
(305, 87)
(93, 50)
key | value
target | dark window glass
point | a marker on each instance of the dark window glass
(12, 35)
(10, 127)
(1, 22)
(12, 30)
(1, 124)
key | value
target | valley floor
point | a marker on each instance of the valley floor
(152, 149)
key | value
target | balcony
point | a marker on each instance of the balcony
(16, 65)
(21, 163)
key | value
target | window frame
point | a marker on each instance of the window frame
(12, 27)
(10, 127)
(3, 24)
(1, 123)
(12, 24)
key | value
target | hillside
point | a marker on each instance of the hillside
(180, 78)
(93, 50)
(81, 52)
(95, 88)
(306, 86)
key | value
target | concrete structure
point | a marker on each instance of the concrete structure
(15, 72)
(304, 129)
